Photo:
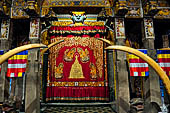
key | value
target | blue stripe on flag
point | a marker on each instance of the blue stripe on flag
(23, 74)
(23, 53)
(147, 73)
(163, 51)
(1, 52)
(142, 50)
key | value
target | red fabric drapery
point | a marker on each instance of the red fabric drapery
(76, 66)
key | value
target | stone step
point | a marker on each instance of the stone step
(78, 109)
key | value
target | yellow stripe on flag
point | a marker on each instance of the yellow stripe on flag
(163, 56)
(143, 73)
(20, 74)
(18, 57)
(133, 56)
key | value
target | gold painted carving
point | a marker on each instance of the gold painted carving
(76, 70)
(163, 13)
(109, 12)
(44, 11)
(77, 3)
(44, 37)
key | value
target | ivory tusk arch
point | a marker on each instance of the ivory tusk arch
(26, 47)
(165, 49)
(107, 41)
(19, 49)
(149, 60)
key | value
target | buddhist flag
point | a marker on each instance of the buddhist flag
(17, 64)
(1, 53)
(138, 67)
(164, 60)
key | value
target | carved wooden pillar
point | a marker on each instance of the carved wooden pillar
(32, 97)
(5, 44)
(151, 83)
(123, 96)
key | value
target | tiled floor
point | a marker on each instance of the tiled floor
(73, 109)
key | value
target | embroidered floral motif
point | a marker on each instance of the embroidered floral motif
(68, 55)
(59, 71)
(84, 55)
(93, 71)
(91, 42)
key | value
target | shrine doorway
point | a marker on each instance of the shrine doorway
(77, 67)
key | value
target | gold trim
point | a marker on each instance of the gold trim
(83, 84)
(78, 13)
(94, 23)
(77, 98)
(64, 23)
(55, 23)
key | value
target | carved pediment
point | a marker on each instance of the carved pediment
(76, 3)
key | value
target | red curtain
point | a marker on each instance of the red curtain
(76, 66)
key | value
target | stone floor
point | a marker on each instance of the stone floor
(78, 109)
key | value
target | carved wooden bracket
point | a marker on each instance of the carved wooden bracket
(121, 8)
(150, 8)
(5, 8)
(32, 8)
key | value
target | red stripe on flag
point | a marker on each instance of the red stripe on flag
(166, 68)
(139, 69)
(132, 73)
(136, 61)
(164, 60)
(8, 74)
(15, 70)
(17, 61)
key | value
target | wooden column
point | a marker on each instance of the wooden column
(110, 69)
(32, 94)
(5, 44)
(19, 92)
(44, 76)
(166, 45)
(4, 90)
(151, 84)
(123, 95)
